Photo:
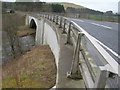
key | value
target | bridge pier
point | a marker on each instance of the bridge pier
(40, 32)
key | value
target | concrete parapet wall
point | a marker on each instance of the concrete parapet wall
(46, 34)
(50, 38)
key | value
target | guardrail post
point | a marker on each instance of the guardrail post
(75, 70)
(104, 73)
(64, 26)
(45, 15)
(68, 34)
(101, 79)
(53, 18)
(56, 19)
(50, 18)
(60, 26)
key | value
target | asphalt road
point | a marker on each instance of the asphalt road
(105, 32)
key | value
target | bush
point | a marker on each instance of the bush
(12, 11)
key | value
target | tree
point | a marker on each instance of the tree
(58, 8)
(109, 13)
(10, 24)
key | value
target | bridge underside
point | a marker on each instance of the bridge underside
(33, 24)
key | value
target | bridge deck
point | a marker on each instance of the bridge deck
(64, 61)
(64, 65)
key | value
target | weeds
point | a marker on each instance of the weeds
(32, 70)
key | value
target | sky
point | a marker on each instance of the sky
(101, 5)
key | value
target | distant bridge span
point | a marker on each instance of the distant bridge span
(77, 54)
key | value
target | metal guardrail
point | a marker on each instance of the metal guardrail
(83, 44)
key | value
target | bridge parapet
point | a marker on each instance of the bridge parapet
(90, 59)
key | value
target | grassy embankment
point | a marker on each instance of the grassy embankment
(16, 20)
(110, 18)
(66, 5)
(33, 69)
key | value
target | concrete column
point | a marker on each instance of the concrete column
(40, 32)
(27, 20)
(60, 26)
(64, 26)
(75, 71)
(53, 18)
(101, 78)
(56, 19)
(68, 34)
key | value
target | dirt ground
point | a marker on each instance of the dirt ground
(33, 69)
(25, 30)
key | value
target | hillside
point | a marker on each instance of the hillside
(66, 4)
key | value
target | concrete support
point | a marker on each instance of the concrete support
(50, 17)
(27, 20)
(64, 26)
(105, 72)
(60, 26)
(68, 34)
(40, 32)
(56, 19)
(101, 78)
(53, 18)
(75, 70)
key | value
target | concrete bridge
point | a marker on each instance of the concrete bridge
(81, 61)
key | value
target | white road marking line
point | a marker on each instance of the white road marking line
(106, 26)
(78, 20)
(101, 25)
(113, 63)
(81, 20)
(95, 24)
(113, 52)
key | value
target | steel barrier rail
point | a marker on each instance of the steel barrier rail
(109, 67)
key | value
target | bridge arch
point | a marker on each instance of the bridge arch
(33, 24)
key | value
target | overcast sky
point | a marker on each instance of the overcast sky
(102, 5)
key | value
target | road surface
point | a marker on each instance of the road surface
(106, 33)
